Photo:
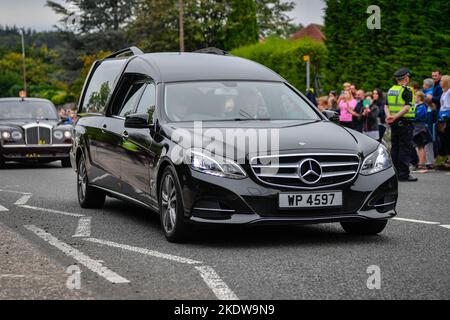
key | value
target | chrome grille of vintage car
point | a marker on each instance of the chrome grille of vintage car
(306, 171)
(38, 135)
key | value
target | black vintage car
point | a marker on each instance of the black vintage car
(31, 130)
(138, 139)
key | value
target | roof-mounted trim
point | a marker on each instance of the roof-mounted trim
(134, 51)
(212, 50)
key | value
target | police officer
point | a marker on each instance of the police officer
(400, 113)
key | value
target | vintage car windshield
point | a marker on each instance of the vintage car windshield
(234, 101)
(27, 110)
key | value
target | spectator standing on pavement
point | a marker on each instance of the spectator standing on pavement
(370, 118)
(421, 135)
(323, 103)
(311, 96)
(332, 101)
(400, 113)
(346, 104)
(428, 86)
(378, 99)
(437, 89)
(62, 113)
(444, 118)
(357, 112)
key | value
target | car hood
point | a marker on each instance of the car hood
(294, 136)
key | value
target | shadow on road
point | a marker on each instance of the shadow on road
(244, 237)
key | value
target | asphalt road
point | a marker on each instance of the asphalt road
(122, 253)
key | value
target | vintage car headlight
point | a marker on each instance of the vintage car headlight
(16, 135)
(6, 135)
(58, 135)
(68, 134)
(215, 166)
(376, 162)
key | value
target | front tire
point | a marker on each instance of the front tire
(88, 197)
(365, 228)
(171, 208)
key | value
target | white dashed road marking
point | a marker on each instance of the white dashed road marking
(3, 209)
(91, 264)
(213, 281)
(23, 200)
(83, 228)
(417, 221)
(53, 211)
(147, 252)
(207, 273)
(445, 226)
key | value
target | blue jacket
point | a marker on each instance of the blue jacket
(422, 113)
(437, 94)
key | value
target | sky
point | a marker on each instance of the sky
(34, 14)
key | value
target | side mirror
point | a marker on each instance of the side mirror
(138, 121)
(331, 115)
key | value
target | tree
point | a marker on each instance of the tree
(242, 27)
(273, 19)
(96, 15)
(413, 34)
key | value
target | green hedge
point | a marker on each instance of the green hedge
(286, 58)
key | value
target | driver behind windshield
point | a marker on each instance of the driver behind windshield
(251, 104)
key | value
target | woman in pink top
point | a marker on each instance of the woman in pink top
(347, 103)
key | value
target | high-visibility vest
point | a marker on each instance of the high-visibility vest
(397, 103)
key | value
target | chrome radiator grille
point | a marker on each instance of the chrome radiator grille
(38, 135)
(306, 171)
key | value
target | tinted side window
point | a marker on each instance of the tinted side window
(132, 99)
(148, 101)
(101, 86)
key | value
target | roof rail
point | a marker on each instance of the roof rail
(134, 51)
(212, 50)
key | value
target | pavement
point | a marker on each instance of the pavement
(121, 253)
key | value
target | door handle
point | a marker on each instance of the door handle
(125, 135)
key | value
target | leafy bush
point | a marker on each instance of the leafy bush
(286, 58)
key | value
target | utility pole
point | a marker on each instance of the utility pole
(307, 59)
(23, 62)
(181, 4)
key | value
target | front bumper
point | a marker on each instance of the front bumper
(212, 200)
(35, 152)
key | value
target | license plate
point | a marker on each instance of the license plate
(310, 200)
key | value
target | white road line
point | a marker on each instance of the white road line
(53, 211)
(17, 192)
(416, 221)
(445, 226)
(83, 228)
(80, 257)
(3, 209)
(215, 283)
(23, 200)
(152, 253)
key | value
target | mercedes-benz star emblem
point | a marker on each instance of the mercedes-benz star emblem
(310, 171)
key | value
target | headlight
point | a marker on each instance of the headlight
(378, 161)
(6, 135)
(17, 135)
(215, 166)
(58, 135)
(68, 134)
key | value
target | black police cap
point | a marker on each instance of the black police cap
(402, 73)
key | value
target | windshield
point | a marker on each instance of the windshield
(27, 110)
(228, 101)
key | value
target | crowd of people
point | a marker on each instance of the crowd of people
(366, 112)
(68, 116)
